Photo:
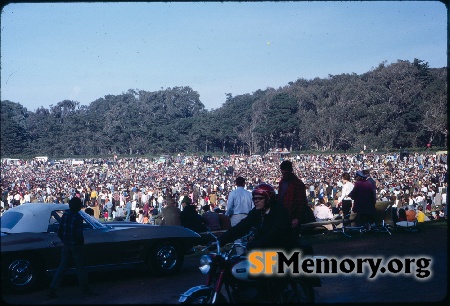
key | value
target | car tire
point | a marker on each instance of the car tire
(165, 258)
(21, 274)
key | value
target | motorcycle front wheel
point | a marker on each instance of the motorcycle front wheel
(204, 296)
(298, 291)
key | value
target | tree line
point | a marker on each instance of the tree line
(401, 105)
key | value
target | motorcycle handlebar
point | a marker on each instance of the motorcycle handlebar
(215, 244)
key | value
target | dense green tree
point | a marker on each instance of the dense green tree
(401, 105)
(14, 131)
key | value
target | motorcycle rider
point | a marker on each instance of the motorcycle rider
(271, 221)
(272, 230)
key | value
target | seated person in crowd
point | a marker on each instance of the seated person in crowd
(225, 221)
(133, 216)
(190, 218)
(420, 215)
(401, 215)
(140, 217)
(410, 214)
(340, 215)
(210, 218)
(156, 218)
(171, 213)
(322, 212)
(434, 216)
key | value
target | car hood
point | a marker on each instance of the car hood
(153, 230)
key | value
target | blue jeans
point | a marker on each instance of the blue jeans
(77, 252)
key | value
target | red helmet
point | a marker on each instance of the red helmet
(265, 190)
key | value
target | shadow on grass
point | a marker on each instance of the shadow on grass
(329, 236)
(336, 237)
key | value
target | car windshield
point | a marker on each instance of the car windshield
(90, 219)
(8, 221)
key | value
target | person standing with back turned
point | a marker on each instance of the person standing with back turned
(239, 205)
(71, 234)
(292, 195)
(344, 200)
(239, 202)
(363, 196)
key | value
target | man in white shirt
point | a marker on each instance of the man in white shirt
(344, 200)
(239, 202)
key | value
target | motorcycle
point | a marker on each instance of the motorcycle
(228, 280)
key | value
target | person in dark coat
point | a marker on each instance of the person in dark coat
(292, 195)
(156, 217)
(364, 199)
(170, 213)
(210, 218)
(71, 234)
(190, 218)
(272, 223)
(272, 229)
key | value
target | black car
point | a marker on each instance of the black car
(31, 249)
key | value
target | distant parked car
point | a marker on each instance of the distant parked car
(31, 249)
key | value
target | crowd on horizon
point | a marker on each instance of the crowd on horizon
(418, 178)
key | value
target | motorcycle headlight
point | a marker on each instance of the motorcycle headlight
(205, 264)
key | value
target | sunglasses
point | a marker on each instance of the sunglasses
(256, 199)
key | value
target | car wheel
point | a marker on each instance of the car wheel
(165, 258)
(22, 274)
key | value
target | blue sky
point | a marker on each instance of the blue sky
(51, 52)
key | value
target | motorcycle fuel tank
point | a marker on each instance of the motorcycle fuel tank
(240, 270)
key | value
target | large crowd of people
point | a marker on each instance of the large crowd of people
(418, 179)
